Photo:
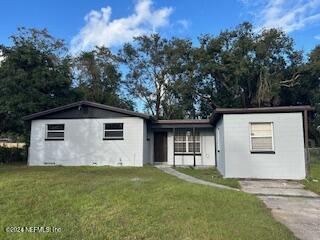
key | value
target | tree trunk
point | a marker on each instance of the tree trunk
(158, 102)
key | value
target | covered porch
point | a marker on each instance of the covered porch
(183, 143)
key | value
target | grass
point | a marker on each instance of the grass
(211, 175)
(127, 203)
(313, 181)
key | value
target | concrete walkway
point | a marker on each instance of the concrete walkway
(185, 177)
(290, 204)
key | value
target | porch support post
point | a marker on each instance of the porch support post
(174, 150)
(306, 141)
(194, 145)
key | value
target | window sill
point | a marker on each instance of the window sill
(51, 139)
(262, 152)
(188, 154)
(106, 139)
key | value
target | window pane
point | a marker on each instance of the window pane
(262, 143)
(261, 129)
(55, 126)
(180, 147)
(113, 126)
(180, 135)
(196, 137)
(113, 134)
(55, 134)
(197, 144)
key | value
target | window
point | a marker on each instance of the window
(55, 132)
(113, 131)
(183, 142)
(261, 136)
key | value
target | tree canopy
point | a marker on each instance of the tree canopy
(168, 78)
(34, 75)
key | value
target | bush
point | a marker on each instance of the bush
(13, 155)
(314, 154)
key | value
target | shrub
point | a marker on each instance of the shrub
(13, 155)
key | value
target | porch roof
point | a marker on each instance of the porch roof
(181, 123)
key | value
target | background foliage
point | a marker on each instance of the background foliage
(13, 155)
(170, 78)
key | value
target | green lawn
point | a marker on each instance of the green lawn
(127, 203)
(313, 182)
(209, 174)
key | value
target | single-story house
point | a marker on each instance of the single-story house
(267, 143)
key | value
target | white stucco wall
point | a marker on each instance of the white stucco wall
(288, 161)
(84, 145)
(207, 145)
(220, 146)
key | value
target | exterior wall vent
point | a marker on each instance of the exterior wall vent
(49, 163)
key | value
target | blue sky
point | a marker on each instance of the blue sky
(84, 24)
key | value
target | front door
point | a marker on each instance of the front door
(160, 147)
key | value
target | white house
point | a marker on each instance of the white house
(265, 143)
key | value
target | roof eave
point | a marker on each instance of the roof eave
(217, 113)
(86, 103)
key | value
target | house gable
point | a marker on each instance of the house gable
(84, 112)
(85, 109)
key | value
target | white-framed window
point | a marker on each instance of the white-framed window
(113, 131)
(261, 137)
(183, 142)
(55, 132)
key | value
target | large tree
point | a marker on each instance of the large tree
(34, 75)
(98, 78)
(307, 92)
(147, 70)
(312, 80)
(158, 73)
(243, 68)
(180, 99)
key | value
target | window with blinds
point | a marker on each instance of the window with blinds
(261, 137)
(55, 132)
(184, 143)
(113, 131)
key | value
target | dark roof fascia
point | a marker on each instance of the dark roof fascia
(85, 103)
(181, 123)
(217, 113)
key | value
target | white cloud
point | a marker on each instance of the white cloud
(100, 30)
(317, 37)
(288, 15)
(184, 23)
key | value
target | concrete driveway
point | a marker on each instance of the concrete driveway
(290, 204)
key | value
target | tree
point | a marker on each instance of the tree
(243, 68)
(278, 66)
(307, 92)
(158, 70)
(180, 100)
(98, 78)
(147, 70)
(34, 75)
(312, 80)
